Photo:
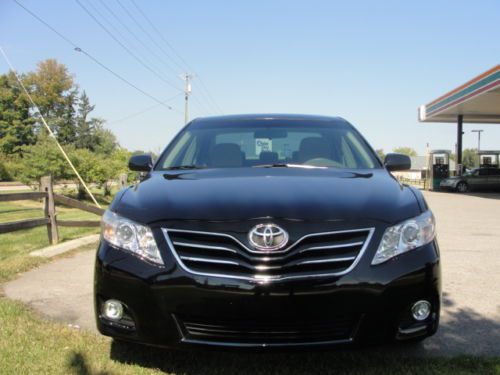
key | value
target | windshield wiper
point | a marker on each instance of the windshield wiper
(286, 165)
(272, 165)
(180, 167)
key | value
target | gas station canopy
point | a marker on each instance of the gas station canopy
(478, 101)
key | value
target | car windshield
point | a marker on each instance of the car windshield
(268, 144)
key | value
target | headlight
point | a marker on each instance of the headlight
(130, 236)
(406, 236)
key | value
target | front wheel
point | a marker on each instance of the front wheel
(462, 187)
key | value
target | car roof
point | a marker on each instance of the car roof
(233, 120)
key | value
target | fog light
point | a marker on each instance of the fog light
(421, 310)
(112, 309)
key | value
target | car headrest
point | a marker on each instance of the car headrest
(268, 157)
(226, 155)
(314, 147)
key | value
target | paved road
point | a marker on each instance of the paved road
(469, 235)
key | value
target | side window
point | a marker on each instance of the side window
(483, 172)
(494, 172)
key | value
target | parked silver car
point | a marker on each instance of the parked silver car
(485, 178)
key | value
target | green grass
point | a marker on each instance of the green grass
(30, 344)
(15, 246)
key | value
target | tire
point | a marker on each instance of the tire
(462, 187)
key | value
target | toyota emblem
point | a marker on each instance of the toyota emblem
(267, 237)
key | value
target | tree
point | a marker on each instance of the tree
(116, 164)
(26, 150)
(5, 174)
(91, 167)
(66, 133)
(42, 159)
(16, 124)
(55, 93)
(105, 141)
(406, 151)
(83, 125)
(90, 132)
(469, 158)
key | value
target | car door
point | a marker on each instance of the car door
(494, 179)
(478, 179)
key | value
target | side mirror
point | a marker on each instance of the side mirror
(140, 163)
(397, 162)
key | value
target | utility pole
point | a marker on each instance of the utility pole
(478, 145)
(187, 91)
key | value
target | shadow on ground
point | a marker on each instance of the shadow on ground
(462, 329)
(77, 364)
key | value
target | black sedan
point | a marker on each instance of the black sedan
(263, 231)
(485, 178)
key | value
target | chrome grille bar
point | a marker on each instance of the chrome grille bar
(329, 260)
(327, 247)
(314, 255)
(198, 246)
(206, 260)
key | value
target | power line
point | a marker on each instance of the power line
(123, 79)
(138, 59)
(157, 31)
(129, 31)
(117, 31)
(78, 49)
(141, 43)
(161, 37)
(134, 20)
(152, 39)
(45, 23)
(200, 103)
(144, 110)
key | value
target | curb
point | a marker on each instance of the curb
(51, 251)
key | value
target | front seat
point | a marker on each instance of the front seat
(312, 148)
(226, 155)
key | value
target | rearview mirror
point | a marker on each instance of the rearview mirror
(397, 162)
(270, 133)
(140, 163)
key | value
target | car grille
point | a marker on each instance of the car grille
(313, 255)
(336, 329)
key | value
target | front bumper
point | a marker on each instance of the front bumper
(169, 307)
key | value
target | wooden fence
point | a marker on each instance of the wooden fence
(50, 220)
(421, 183)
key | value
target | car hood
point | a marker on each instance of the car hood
(249, 193)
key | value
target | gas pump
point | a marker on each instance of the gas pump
(439, 168)
(489, 159)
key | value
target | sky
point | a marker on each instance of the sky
(371, 62)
